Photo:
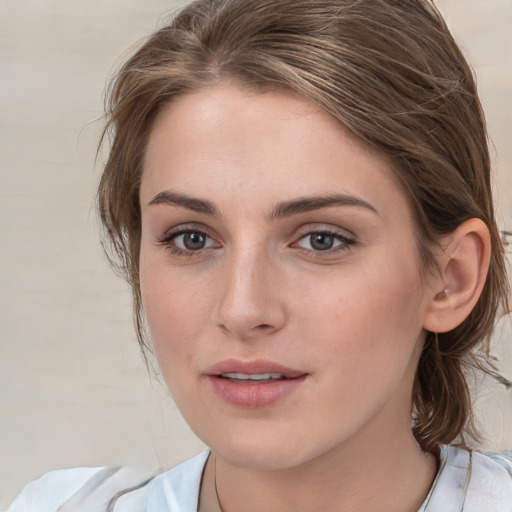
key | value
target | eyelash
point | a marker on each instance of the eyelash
(168, 241)
(345, 242)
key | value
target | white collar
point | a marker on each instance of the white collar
(466, 482)
(178, 489)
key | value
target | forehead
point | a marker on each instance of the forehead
(248, 145)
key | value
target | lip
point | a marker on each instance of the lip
(253, 394)
(251, 367)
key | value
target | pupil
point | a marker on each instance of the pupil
(321, 242)
(194, 241)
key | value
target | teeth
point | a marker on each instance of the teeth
(252, 376)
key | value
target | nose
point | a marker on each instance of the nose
(250, 303)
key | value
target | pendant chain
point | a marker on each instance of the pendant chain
(215, 484)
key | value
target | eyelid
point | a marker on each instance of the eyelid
(184, 228)
(327, 228)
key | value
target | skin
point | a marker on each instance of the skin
(351, 317)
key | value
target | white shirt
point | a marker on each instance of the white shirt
(466, 482)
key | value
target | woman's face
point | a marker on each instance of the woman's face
(279, 276)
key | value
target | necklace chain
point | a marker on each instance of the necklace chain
(215, 484)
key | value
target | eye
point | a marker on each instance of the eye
(187, 242)
(191, 241)
(324, 241)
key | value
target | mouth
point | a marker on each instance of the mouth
(254, 384)
(253, 378)
(257, 369)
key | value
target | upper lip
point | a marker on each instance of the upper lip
(253, 367)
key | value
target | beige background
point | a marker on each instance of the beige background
(73, 388)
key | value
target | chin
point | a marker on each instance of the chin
(264, 449)
(263, 457)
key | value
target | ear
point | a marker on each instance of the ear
(463, 262)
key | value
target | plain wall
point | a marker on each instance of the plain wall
(74, 390)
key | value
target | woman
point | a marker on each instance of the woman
(299, 195)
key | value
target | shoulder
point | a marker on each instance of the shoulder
(504, 459)
(472, 481)
(123, 489)
(47, 493)
(491, 483)
(82, 490)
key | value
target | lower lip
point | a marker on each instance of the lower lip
(253, 395)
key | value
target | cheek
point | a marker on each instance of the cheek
(367, 317)
(175, 314)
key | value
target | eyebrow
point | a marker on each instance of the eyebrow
(190, 203)
(308, 204)
(281, 210)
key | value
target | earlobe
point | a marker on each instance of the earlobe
(463, 263)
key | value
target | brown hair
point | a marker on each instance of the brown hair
(390, 71)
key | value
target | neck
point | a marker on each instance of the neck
(388, 475)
